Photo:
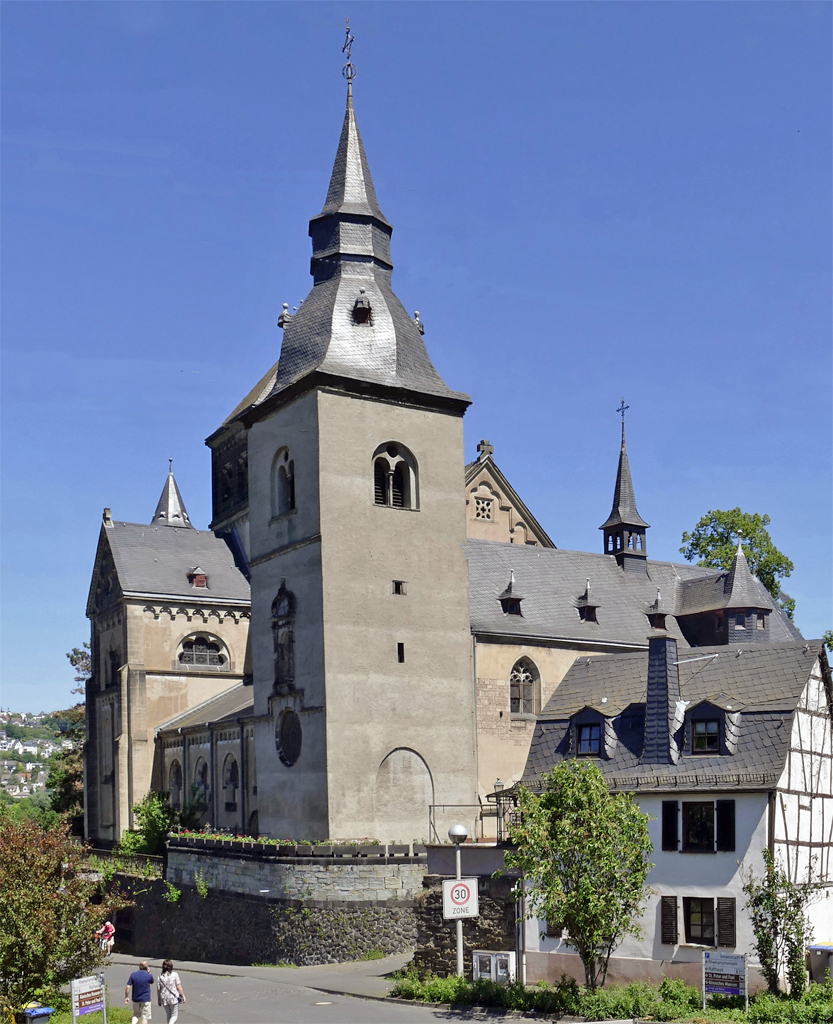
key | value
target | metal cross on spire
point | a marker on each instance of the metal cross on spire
(349, 70)
(622, 409)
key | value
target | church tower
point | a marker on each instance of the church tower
(362, 663)
(624, 529)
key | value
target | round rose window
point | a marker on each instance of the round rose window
(288, 737)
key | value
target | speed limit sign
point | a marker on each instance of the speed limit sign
(460, 898)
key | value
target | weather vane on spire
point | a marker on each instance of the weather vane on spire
(349, 70)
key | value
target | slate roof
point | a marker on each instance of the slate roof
(623, 511)
(236, 702)
(553, 581)
(351, 252)
(760, 683)
(170, 510)
(155, 560)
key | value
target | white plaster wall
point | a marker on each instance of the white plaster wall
(688, 874)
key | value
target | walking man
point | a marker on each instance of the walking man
(140, 982)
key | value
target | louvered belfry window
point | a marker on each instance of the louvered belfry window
(395, 477)
(399, 486)
(380, 482)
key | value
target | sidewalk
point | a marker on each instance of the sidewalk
(364, 978)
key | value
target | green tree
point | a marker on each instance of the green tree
(47, 929)
(65, 782)
(778, 909)
(584, 856)
(828, 639)
(155, 818)
(714, 540)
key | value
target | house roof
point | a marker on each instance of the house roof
(760, 684)
(236, 702)
(155, 561)
(553, 581)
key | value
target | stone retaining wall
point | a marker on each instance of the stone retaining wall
(437, 938)
(371, 878)
(268, 904)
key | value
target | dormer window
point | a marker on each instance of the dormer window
(588, 740)
(587, 613)
(511, 606)
(740, 620)
(361, 308)
(705, 736)
(657, 620)
(197, 578)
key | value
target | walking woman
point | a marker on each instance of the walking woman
(169, 991)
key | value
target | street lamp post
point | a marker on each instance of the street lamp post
(458, 834)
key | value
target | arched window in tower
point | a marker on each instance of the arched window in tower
(231, 783)
(283, 636)
(395, 477)
(175, 785)
(283, 483)
(524, 681)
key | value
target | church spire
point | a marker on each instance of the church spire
(171, 508)
(352, 325)
(624, 529)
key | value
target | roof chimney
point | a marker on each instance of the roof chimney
(663, 697)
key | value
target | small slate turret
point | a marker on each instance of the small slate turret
(170, 511)
(624, 529)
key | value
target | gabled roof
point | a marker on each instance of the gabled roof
(486, 464)
(762, 683)
(553, 580)
(154, 562)
(236, 702)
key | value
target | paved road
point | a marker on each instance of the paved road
(246, 995)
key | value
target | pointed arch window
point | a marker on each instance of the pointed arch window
(201, 786)
(175, 785)
(395, 477)
(524, 686)
(283, 636)
(231, 782)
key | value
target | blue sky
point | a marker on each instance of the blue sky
(590, 200)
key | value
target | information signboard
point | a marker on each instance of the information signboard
(460, 898)
(724, 974)
(88, 995)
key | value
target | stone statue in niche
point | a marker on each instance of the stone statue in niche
(283, 630)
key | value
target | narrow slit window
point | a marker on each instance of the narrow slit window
(398, 587)
(400, 653)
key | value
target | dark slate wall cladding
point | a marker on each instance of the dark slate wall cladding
(231, 928)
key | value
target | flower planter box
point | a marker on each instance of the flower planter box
(399, 851)
(419, 848)
(284, 850)
(372, 850)
(322, 851)
(345, 851)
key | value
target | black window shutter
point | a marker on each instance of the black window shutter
(670, 834)
(668, 920)
(726, 825)
(726, 919)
